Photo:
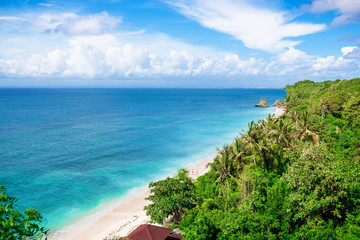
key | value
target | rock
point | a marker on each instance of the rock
(279, 104)
(262, 103)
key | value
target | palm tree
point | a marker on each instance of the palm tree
(281, 132)
(251, 137)
(269, 143)
(256, 142)
(303, 126)
(270, 119)
(265, 141)
(225, 169)
(224, 165)
(266, 147)
(238, 153)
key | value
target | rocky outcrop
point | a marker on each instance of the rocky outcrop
(262, 103)
(279, 104)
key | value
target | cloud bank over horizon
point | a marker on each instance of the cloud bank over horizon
(105, 56)
(64, 44)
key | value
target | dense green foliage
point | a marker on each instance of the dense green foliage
(292, 177)
(170, 198)
(15, 225)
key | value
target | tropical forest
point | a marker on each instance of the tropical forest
(296, 176)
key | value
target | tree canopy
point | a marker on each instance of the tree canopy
(292, 177)
(170, 198)
(15, 225)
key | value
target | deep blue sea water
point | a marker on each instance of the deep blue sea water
(66, 151)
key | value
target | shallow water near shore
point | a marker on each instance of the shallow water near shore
(67, 151)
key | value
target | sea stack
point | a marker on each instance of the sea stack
(262, 103)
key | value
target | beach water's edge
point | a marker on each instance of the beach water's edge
(121, 216)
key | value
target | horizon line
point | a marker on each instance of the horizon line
(98, 87)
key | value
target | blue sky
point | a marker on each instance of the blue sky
(177, 43)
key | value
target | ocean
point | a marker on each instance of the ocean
(67, 151)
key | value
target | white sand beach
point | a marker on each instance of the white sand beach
(120, 218)
(279, 111)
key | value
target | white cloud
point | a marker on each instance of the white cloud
(87, 50)
(72, 24)
(292, 55)
(46, 4)
(349, 10)
(107, 56)
(297, 64)
(347, 50)
(323, 63)
(351, 52)
(256, 27)
(11, 18)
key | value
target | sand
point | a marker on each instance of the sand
(279, 111)
(122, 216)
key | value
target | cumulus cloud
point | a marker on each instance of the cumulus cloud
(86, 49)
(298, 64)
(351, 52)
(292, 55)
(347, 50)
(322, 63)
(256, 27)
(349, 10)
(72, 24)
(105, 56)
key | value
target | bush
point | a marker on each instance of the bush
(15, 225)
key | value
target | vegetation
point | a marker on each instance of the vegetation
(171, 197)
(15, 225)
(292, 177)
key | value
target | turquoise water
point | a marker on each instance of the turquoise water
(66, 151)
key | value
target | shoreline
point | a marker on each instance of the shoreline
(279, 111)
(121, 216)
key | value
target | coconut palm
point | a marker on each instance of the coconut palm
(225, 168)
(270, 119)
(303, 126)
(281, 132)
(252, 138)
(268, 144)
(238, 153)
(266, 150)
(224, 165)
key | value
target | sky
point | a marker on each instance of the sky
(177, 43)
